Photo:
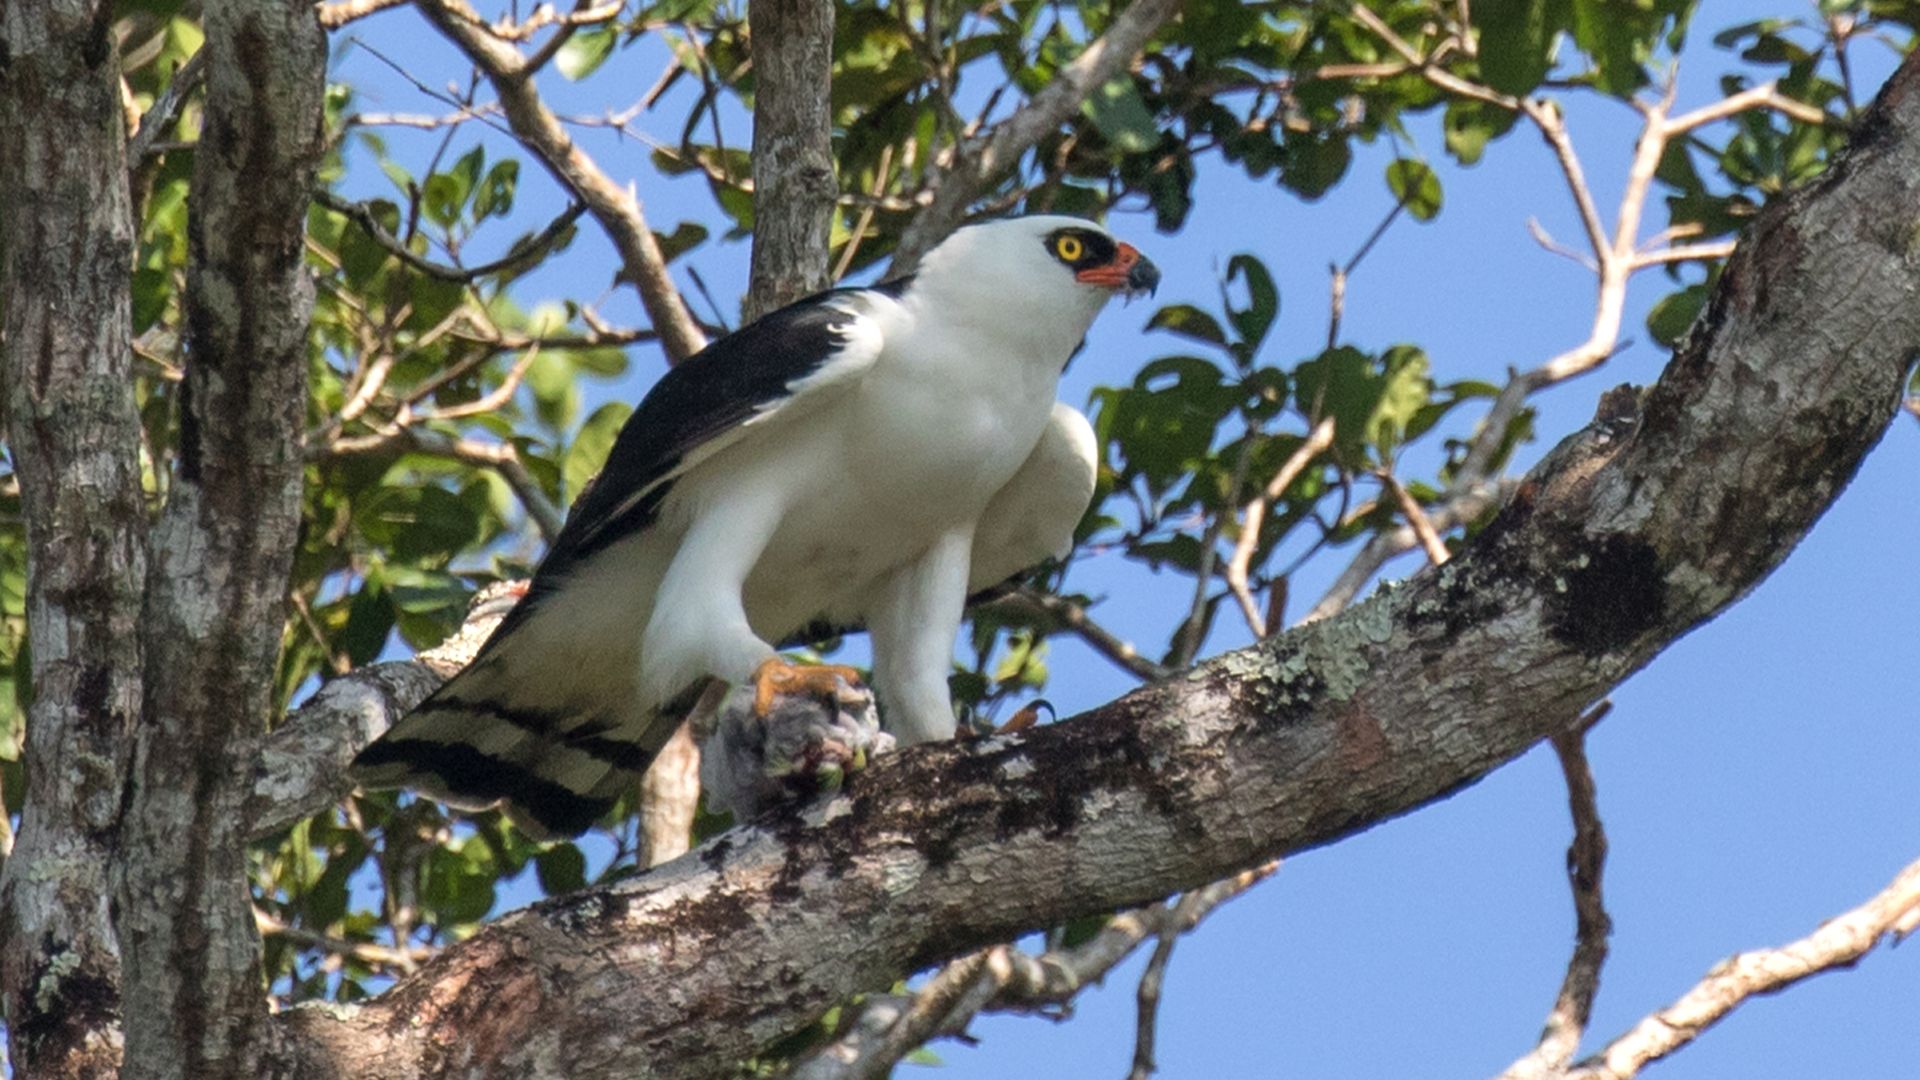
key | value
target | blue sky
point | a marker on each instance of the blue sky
(1758, 778)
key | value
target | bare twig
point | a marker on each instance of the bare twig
(1255, 515)
(1423, 529)
(335, 16)
(1337, 301)
(1839, 942)
(1193, 631)
(1147, 1004)
(1586, 864)
(1684, 253)
(166, 108)
(522, 256)
(1615, 259)
(501, 457)
(670, 798)
(1003, 978)
(1453, 512)
(405, 960)
(990, 154)
(1074, 617)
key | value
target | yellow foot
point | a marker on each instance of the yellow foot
(775, 677)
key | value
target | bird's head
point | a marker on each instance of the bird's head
(1045, 263)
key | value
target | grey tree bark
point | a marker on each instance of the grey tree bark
(221, 553)
(71, 427)
(793, 181)
(1632, 532)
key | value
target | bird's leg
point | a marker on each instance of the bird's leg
(777, 677)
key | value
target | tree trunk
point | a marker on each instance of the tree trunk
(221, 553)
(67, 233)
(793, 183)
(1632, 532)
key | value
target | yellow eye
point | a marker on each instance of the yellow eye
(1069, 248)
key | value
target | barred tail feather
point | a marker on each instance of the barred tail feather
(476, 743)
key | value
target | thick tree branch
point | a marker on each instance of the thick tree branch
(793, 180)
(73, 432)
(1630, 534)
(221, 553)
(982, 159)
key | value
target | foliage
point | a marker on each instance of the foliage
(448, 410)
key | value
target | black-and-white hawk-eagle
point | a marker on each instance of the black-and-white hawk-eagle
(864, 457)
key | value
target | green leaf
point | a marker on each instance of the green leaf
(1674, 313)
(561, 869)
(442, 198)
(1119, 114)
(495, 197)
(1312, 162)
(1189, 322)
(1406, 386)
(1516, 41)
(1263, 302)
(459, 886)
(426, 523)
(1416, 186)
(590, 447)
(1470, 125)
(1618, 43)
(556, 396)
(585, 52)
(684, 238)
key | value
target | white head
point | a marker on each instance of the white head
(1028, 273)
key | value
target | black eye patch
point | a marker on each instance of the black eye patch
(1080, 248)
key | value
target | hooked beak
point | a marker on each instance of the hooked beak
(1129, 271)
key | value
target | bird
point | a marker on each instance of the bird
(864, 457)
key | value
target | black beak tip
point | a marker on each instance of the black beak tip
(1143, 277)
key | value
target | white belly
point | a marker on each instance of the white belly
(871, 481)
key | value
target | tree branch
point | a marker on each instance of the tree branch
(1586, 863)
(793, 179)
(1838, 943)
(985, 157)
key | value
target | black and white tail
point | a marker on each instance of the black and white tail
(528, 726)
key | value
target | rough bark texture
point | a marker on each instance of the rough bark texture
(793, 182)
(221, 553)
(1631, 533)
(68, 239)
